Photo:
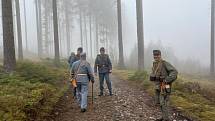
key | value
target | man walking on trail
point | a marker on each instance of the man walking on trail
(73, 58)
(82, 72)
(104, 66)
(163, 74)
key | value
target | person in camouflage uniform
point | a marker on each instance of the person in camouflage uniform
(163, 74)
(82, 72)
(104, 67)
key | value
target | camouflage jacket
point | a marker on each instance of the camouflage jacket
(164, 69)
(102, 63)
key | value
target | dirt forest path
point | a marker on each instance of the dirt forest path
(128, 104)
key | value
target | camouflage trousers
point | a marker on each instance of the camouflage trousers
(163, 100)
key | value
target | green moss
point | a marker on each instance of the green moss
(31, 91)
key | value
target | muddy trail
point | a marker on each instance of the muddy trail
(129, 103)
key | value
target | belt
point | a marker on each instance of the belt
(82, 74)
(103, 65)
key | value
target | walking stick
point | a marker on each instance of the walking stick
(92, 93)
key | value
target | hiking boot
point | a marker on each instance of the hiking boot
(159, 119)
(100, 94)
(83, 110)
(157, 104)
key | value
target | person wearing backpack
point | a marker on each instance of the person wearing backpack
(163, 75)
(83, 74)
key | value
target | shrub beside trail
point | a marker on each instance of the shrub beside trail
(31, 91)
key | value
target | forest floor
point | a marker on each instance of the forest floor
(129, 103)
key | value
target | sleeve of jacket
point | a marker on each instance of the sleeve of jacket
(109, 63)
(172, 72)
(96, 65)
(90, 72)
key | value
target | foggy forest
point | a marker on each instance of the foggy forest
(121, 48)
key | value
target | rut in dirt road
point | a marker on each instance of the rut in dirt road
(128, 104)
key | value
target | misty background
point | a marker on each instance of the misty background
(181, 28)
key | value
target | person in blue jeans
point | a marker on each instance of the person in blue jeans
(82, 72)
(104, 66)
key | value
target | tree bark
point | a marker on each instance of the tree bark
(85, 31)
(97, 35)
(56, 37)
(81, 28)
(46, 27)
(19, 31)
(121, 55)
(212, 67)
(26, 33)
(91, 42)
(8, 36)
(67, 28)
(140, 37)
(39, 27)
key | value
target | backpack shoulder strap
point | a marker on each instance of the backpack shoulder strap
(160, 64)
(78, 69)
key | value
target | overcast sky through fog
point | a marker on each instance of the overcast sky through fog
(183, 25)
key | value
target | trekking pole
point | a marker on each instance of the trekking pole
(92, 93)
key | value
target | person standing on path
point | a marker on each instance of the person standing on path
(82, 72)
(163, 74)
(104, 67)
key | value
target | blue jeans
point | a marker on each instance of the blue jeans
(102, 77)
(82, 92)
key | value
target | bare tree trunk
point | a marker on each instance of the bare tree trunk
(46, 27)
(81, 28)
(121, 63)
(106, 38)
(85, 31)
(91, 42)
(97, 36)
(140, 41)
(212, 36)
(8, 36)
(67, 28)
(26, 33)
(56, 37)
(19, 31)
(39, 26)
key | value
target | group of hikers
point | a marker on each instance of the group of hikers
(162, 75)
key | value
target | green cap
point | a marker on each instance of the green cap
(156, 52)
